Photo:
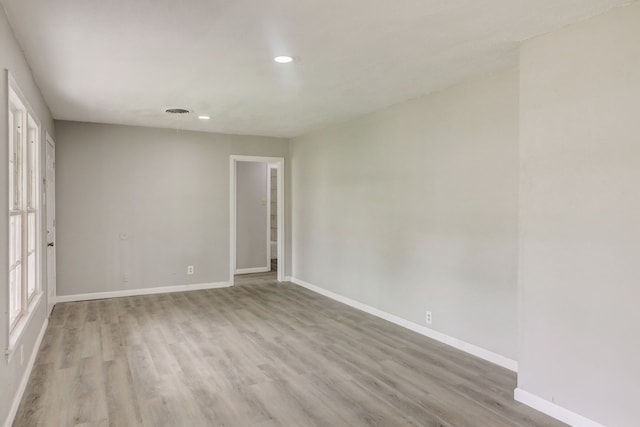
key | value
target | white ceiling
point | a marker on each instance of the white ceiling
(122, 61)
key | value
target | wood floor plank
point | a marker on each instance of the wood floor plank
(262, 353)
(122, 403)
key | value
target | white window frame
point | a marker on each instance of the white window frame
(29, 203)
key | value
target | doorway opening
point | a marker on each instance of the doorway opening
(257, 243)
(272, 203)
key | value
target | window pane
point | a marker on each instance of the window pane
(31, 254)
(15, 295)
(12, 243)
(31, 275)
(31, 182)
(17, 161)
(15, 158)
(31, 232)
(15, 267)
(12, 136)
(15, 242)
(32, 161)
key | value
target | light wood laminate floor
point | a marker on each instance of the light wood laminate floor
(259, 354)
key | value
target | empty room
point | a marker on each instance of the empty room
(332, 213)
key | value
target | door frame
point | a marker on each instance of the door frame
(51, 293)
(269, 212)
(281, 220)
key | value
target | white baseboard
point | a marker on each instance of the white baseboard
(286, 279)
(480, 352)
(142, 291)
(553, 410)
(25, 377)
(253, 270)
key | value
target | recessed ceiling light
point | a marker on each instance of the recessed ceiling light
(204, 117)
(283, 59)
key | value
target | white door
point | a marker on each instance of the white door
(50, 200)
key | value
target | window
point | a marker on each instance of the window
(24, 219)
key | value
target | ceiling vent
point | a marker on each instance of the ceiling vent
(178, 111)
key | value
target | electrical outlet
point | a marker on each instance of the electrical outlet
(125, 277)
(429, 318)
(190, 269)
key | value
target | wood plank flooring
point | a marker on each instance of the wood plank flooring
(259, 354)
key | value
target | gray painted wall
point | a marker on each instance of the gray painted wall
(414, 208)
(12, 59)
(251, 215)
(137, 205)
(580, 218)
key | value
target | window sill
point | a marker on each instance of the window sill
(18, 331)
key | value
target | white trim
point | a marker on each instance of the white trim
(472, 349)
(553, 410)
(25, 377)
(51, 299)
(280, 200)
(258, 159)
(13, 85)
(232, 218)
(141, 291)
(279, 164)
(253, 270)
(269, 216)
(286, 278)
